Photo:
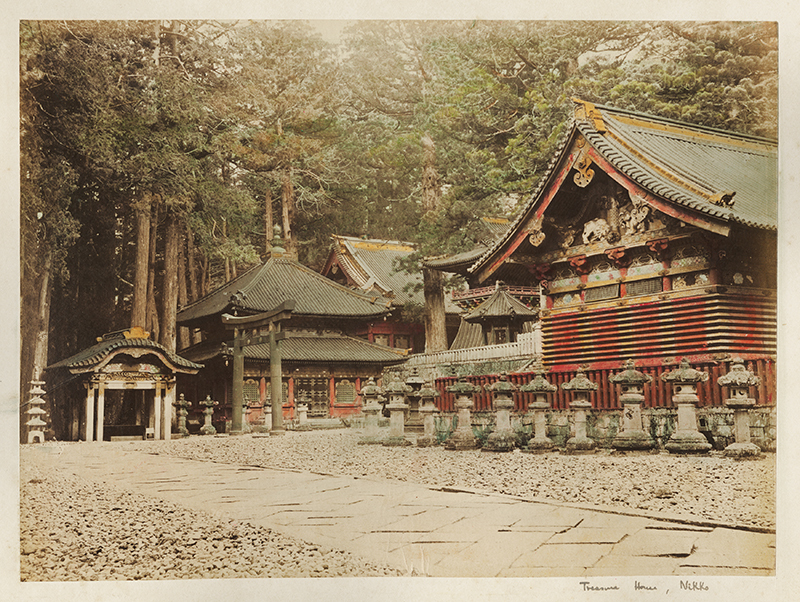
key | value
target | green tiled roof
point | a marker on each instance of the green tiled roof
(278, 279)
(312, 347)
(687, 164)
(500, 304)
(468, 336)
(373, 264)
(90, 357)
(457, 262)
(680, 162)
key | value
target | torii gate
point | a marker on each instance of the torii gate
(244, 329)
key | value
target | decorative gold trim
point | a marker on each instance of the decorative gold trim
(583, 167)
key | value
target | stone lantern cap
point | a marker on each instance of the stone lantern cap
(462, 387)
(738, 376)
(630, 376)
(502, 386)
(428, 392)
(208, 402)
(580, 383)
(371, 389)
(415, 381)
(182, 402)
(396, 387)
(539, 384)
(684, 374)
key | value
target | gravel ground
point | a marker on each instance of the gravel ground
(76, 530)
(711, 487)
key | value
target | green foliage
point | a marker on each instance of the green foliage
(208, 117)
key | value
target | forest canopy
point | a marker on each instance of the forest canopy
(156, 156)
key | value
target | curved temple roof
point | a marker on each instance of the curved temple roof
(501, 305)
(299, 346)
(722, 177)
(266, 286)
(96, 355)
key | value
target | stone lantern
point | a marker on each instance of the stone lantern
(739, 381)
(463, 437)
(415, 383)
(371, 408)
(302, 412)
(502, 438)
(182, 404)
(208, 428)
(686, 439)
(580, 386)
(396, 390)
(35, 423)
(631, 435)
(428, 411)
(540, 387)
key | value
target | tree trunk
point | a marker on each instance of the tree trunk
(191, 267)
(43, 319)
(169, 290)
(431, 191)
(139, 305)
(204, 277)
(287, 211)
(152, 311)
(183, 332)
(227, 259)
(433, 285)
(268, 223)
(435, 327)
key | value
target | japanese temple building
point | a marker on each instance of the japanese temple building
(128, 384)
(371, 265)
(324, 358)
(647, 239)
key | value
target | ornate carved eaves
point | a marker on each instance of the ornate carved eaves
(584, 172)
(581, 264)
(619, 257)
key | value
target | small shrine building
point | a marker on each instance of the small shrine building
(129, 384)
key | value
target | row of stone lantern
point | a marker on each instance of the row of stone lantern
(631, 436)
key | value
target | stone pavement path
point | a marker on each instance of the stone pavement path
(425, 531)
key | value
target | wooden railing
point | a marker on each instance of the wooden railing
(525, 347)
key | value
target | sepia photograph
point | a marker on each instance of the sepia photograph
(330, 304)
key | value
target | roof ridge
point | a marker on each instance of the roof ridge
(296, 264)
(685, 124)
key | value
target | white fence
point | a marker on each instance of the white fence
(525, 347)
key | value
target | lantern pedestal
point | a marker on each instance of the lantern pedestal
(396, 425)
(540, 442)
(428, 412)
(580, 443)
(463, 438)
(371, 393)
(502, 439)
(739, 382)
